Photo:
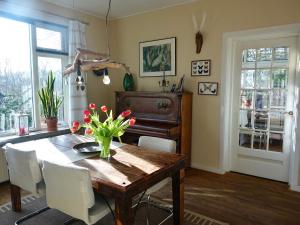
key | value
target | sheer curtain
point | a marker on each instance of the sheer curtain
(77, 98)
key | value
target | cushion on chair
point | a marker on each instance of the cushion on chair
(24, 169)
(161, 144)
(69, 189)
(155, 143)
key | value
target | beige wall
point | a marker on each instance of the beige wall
(222, 16)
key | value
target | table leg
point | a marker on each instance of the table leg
(124, 211)
(178, 197)
(15, 194)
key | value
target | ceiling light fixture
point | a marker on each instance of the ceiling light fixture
(86, 60)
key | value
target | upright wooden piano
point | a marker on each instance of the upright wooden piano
(166, 115)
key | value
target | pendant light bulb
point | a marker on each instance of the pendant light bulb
(106, 79)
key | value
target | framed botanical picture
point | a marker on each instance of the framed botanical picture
(208, 88)
(201, 67)
(158, 57)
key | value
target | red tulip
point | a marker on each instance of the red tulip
(87, 119)
(104, 108)
(88, 131)
(92, 106)
(76, 124)
(86, 113)
(132, 121)
(126, 113)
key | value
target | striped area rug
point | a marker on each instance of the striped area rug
(25, 200)
(190, 218)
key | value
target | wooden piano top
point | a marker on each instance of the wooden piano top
(152, 106)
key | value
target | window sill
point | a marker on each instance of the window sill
(34, 135)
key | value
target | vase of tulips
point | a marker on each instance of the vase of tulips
(104, 132)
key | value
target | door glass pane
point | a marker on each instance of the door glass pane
(276, 121)
(264, 57)
(247, 80)
(249, 58)
(261, 120)
(245, 140)
(262, 100)
(260, 140)
(276, 142)
(278, 98)
(246, 99)
(15, 73)
(281, 55)
(263, 78)
(279, 78)
(245, 119)
(45, 65)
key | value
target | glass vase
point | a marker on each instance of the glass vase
(105, 147)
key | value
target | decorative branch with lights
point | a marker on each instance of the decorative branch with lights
(86, 60)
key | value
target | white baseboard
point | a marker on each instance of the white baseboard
(295, 188)
(207, 168)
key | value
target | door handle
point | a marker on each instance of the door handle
(290, 113)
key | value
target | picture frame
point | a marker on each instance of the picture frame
(208, 88)
(157, 57)
(201, 67)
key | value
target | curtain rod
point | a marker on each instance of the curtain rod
(65, 17)
(50, 13)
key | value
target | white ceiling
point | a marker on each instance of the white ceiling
(119, 8)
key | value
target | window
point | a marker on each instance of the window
(29, 51)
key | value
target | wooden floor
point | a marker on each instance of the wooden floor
(234, 198)
(239, 199)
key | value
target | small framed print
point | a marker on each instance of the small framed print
(208, 88)
(201, 67)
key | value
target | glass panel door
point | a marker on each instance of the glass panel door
(263, 96)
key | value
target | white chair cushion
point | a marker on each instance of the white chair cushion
(24, 169)
(155, 143)
(160, 144)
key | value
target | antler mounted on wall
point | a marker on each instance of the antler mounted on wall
(198, 30)
(88, 60)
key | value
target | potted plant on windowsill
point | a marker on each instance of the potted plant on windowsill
(50, 102)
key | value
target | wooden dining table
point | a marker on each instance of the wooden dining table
(130, 171)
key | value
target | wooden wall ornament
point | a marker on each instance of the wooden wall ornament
(199, 42)
(199, 30)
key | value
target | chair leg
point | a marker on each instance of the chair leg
(148, 214)
(19, 221)
(148, 210)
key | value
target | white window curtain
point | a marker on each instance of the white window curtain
(77, 98)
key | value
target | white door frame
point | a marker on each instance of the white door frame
(230, 42)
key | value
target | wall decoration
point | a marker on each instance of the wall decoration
(201, 67)
(157, 57)
(208, 88)
(199, 30)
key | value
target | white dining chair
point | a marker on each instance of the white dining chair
(159, 144)
(24, 172)
(69, 190)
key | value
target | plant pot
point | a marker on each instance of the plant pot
(104, 144)
(51, 124)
